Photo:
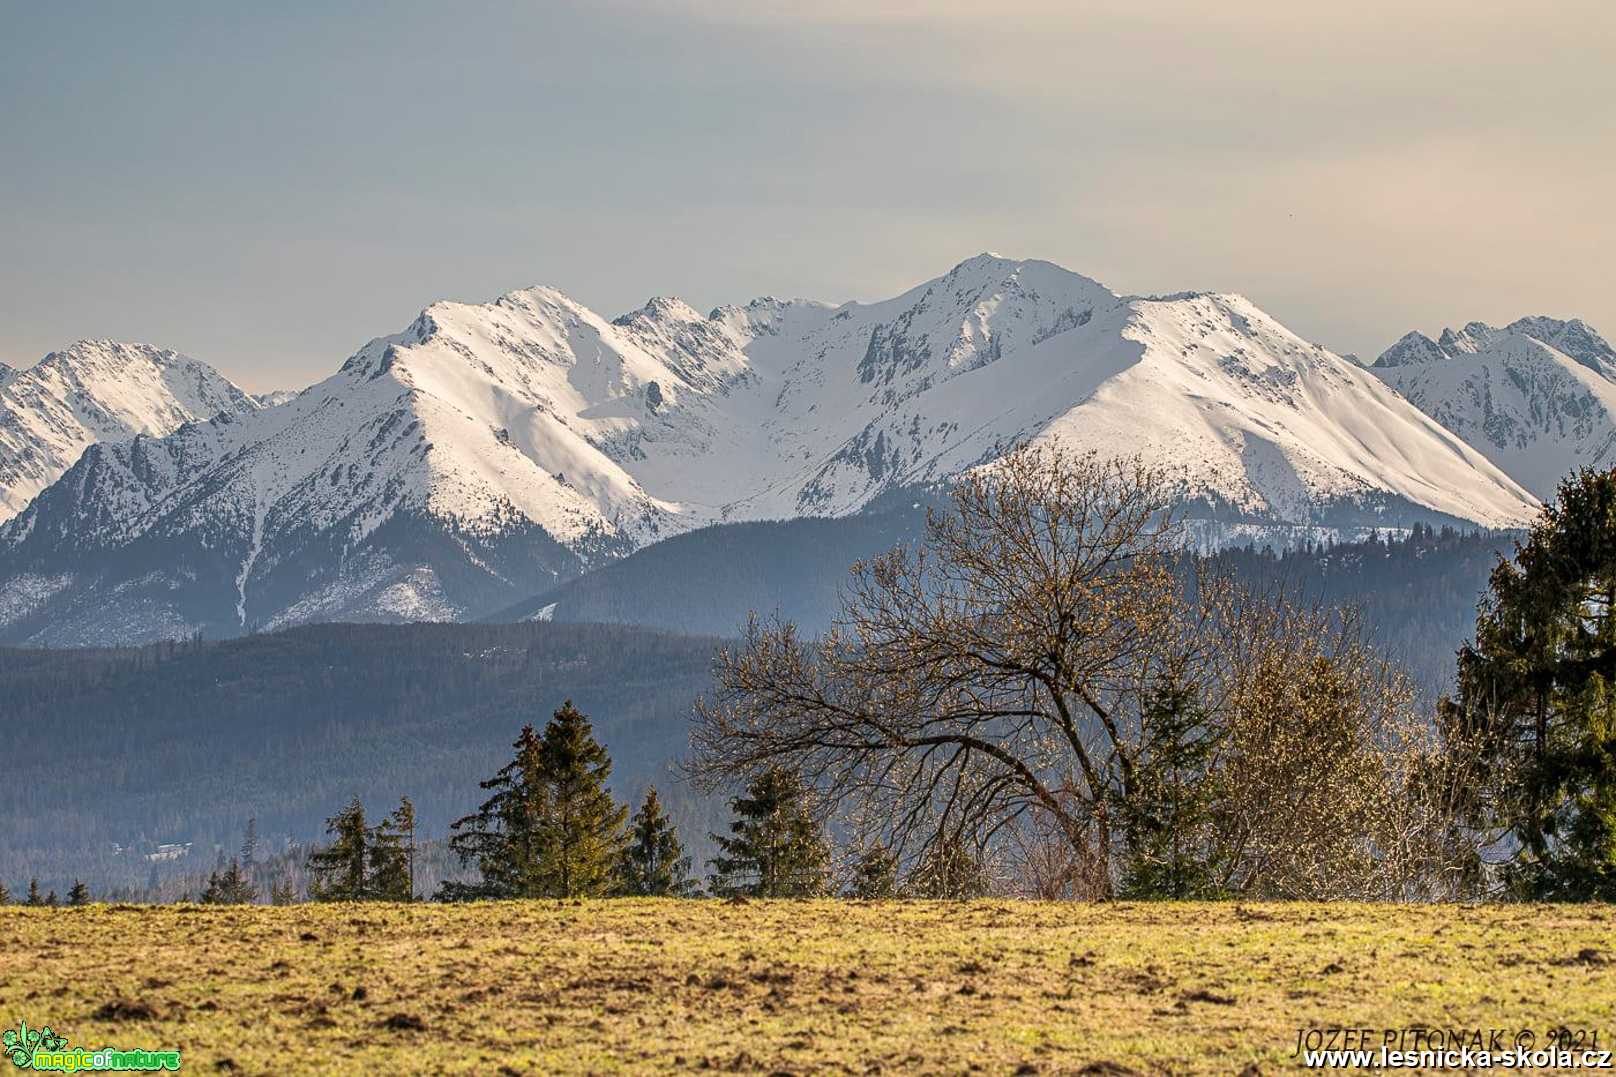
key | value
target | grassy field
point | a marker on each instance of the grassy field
(788, 987)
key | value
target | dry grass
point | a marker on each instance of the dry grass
(796, 987)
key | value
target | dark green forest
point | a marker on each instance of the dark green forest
(113, 752)
(1417, 594)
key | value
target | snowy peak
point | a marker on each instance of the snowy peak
(971, 317)
(97, 390)
(1571, 337)
(489, 450)
(1255, 418)
(1414, 348)
(1537, 397)
(275, 397)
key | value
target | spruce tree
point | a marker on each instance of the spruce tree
(249, 844)
(550, 829)
(78, 893)
(229, 887)
(875, 874)
(33, 893)
(1167, 816)
(339, 871)
(52, 900)
(5, 895)
(388, 858)
(403, 818)
(583, 839)
(775, 849)
(502, 838)
(950, 870)
(1536, 688)
(654, 864)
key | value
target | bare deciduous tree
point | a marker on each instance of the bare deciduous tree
(1329, 784)
(993, 673)
(994, 690)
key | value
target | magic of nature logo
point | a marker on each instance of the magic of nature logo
(45, 1050)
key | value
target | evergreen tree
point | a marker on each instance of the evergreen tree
(281, 891)
(551, 829)
(78, 893)
(52, 900)
(951, 870)
(1166, 818)
(388, 856)
(502, 838)
(1538, 685)
(33, 894)
(404, 824)
(775, 849)
(654, 864)
(229, 887)
(5, 895)
(340, 870)
(249, 844)
(583, 840)
(875, 874)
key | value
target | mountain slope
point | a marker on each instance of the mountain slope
(96, 390)
(710, 580)
(1537, 397)
(490, 452)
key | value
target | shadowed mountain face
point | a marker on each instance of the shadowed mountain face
(489, 453)
(712, 580)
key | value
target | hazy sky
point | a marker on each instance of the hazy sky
(267, 186)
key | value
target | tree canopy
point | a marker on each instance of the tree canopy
(1538, 684)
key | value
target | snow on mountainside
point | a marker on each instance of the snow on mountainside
(274, 397)
(1537, 397)
(490, 451)
(94, 391)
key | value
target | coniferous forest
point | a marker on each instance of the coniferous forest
(138, 769)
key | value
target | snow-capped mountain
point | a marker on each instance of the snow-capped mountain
(489, 451)
(1537, 397)
(96, 390)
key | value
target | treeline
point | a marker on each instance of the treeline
(144, 764)
(159, 756)
(1417, 594)
(548, 828)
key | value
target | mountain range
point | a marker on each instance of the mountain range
(490, 452)
(97, 390)
(1538, 396)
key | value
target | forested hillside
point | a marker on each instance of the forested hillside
(1417, 594)
(185, 742)
(709, 580)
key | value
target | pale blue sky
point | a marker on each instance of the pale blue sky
(267, 186)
